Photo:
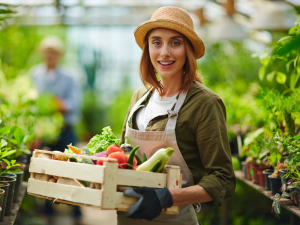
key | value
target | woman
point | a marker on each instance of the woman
(177, 111)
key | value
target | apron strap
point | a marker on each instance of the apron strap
(173, 114)
(136, 105)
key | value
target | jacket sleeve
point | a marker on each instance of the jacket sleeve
(213, 145)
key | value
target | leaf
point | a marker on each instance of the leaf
(19, 134)
(7, 162)
(296, 137)
(0, 121)
(265, 59)
(261, 73)
(8, 153)
(270, 76)
(13, 141)
(294, 79)
(12, 130)
(280, 78)
(29, 138)
(3, 143)
(284, 38)
(13, 161)
(4, 131)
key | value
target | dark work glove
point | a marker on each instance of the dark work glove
(150, 202)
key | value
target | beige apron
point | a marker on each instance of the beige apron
(150, 142)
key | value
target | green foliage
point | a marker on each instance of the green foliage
(283, 109)
(12, 144)
(6, 11)
(282, 60)
(290, 149)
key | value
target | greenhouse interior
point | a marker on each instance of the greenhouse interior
(183, 112)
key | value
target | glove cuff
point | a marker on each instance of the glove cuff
(165, 197)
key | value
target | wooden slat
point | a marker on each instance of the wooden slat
(80, 171)
(109, 185)
(123, 202)
(173, 182)
(65, 192)
(74, 155)
(140, 178)
(284, 202)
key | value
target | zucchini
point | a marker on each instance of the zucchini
(156, 166)
(162, 154)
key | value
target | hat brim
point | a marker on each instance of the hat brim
(142, 30)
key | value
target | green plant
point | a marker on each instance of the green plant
(12, 143)
(290, 149)
(282, 60)
(284, 110)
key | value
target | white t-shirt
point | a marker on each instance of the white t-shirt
(157, 106)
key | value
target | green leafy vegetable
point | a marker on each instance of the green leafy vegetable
(100, 142)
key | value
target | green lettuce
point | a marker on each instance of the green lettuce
(100, 142)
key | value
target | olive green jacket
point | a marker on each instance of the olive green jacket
(201, 135)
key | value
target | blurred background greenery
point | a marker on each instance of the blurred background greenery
(103, 57)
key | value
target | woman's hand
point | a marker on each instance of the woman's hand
(150, 202)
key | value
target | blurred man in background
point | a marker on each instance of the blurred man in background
(48, 77)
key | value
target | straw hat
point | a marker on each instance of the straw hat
(172, 18)
(52, 42)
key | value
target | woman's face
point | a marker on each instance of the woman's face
(167, 52)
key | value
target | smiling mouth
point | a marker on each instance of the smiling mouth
(166, 63)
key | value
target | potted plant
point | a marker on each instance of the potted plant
(257, 154)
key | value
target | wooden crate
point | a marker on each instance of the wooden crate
(107, 181)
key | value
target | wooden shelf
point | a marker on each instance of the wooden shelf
(284, 202)
(9, 220)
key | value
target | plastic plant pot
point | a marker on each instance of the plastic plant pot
(284, 180)
(261, 178)
(5, 186)
(267, 180)
(298, 196)
(255, 170)
(275, 184)
(9, 175)
(2, 194)
(243, 164)
(18, 185)
(10, 196)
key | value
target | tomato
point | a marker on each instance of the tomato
(100, 162)
(121, 158)
(134, 161)
(113, 148)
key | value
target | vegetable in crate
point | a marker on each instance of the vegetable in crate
(126, 146)
(100, 142)
(121, 158)
(113, 148)
(86, 151)
(131, 157)
(162, 154)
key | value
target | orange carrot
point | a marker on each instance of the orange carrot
(76, 151)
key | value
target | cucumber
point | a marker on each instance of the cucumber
(156, 166)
